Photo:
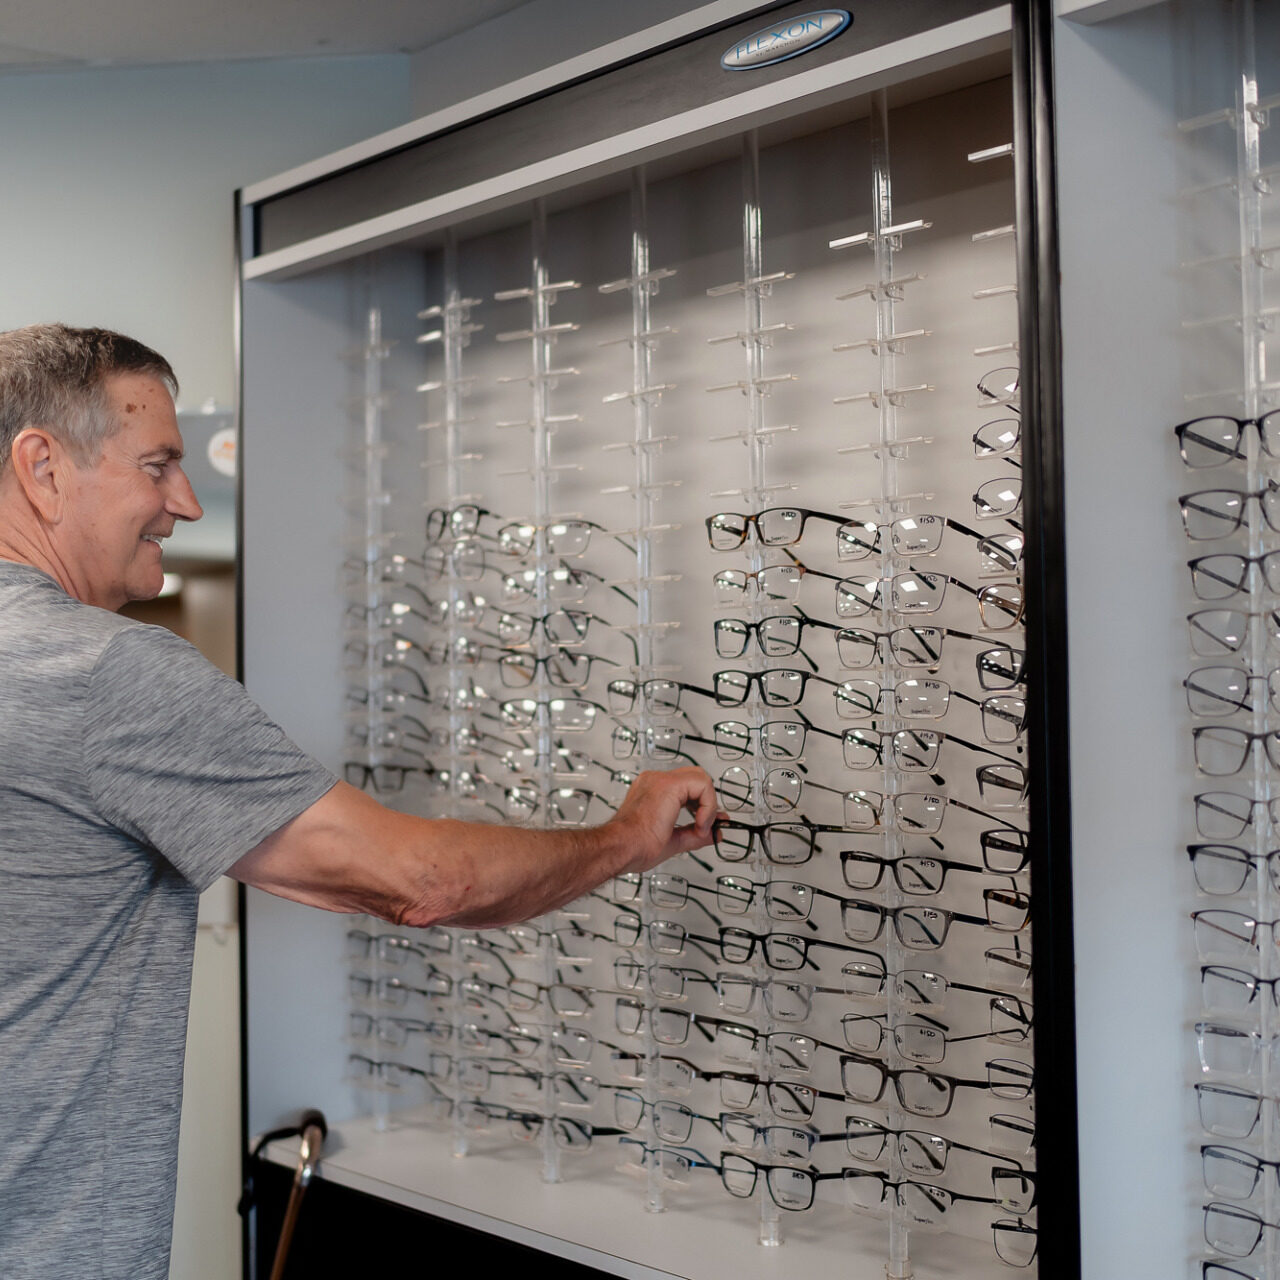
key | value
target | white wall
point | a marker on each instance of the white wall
(118, 187)
(117, 211)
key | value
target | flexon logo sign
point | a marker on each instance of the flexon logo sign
(787, 39)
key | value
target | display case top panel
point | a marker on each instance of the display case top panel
(652, 106)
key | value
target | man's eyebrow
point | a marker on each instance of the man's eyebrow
(168, 452)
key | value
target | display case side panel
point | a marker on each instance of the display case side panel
(292, 429)
(301, 390)
(1117, 215)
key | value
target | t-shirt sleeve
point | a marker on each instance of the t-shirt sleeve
(179, 757)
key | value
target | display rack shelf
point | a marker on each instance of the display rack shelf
(598, 1225)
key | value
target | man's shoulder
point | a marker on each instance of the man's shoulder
(38, 617)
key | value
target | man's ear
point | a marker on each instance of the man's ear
(41, 466)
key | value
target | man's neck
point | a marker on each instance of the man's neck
(19, 546)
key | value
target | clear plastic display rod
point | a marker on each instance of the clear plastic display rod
(753, 340)
(372, 439)
(455, 329)
(898, 1266)
(1248, 163)
(641, 290)
(542, 343)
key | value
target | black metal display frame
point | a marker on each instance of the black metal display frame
(1048, 710)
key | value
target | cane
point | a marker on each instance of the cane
(313, 1131)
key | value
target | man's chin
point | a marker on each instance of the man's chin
(146, 586)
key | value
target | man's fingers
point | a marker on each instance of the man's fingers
(686, 839)
(703, 802)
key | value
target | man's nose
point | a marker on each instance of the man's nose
(182, 502)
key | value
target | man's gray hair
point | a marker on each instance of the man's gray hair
(54, 377)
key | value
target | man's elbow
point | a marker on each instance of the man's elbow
(432, 889)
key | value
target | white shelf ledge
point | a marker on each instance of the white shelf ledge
(600, 1221)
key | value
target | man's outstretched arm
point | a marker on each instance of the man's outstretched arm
(349, 853)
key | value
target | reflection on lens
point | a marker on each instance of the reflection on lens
(1000, 605)
(922, 698)
(780, 636)
(917, 535)
(1004, 718)
(1209, 442)
(731, 636)
(857, 595)
(788, 900)
(1000, 554)
(998, 498)
(1000, 385)
(727, 530)
(863, 979)
(1010, 1020)
(1013, 1135)
(734, 788)
(865, 1140)
(1000, 668)
(997, 438)
(857, 539)
(917, 592)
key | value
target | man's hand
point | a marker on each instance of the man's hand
(647, 817)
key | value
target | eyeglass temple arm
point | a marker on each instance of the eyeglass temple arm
(810, 621)
(804, 568)
(973, 746)
(982, 813)
(698, 689)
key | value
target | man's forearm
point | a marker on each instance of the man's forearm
(349, 853)
(481, 876)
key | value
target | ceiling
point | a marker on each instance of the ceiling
(55, 35)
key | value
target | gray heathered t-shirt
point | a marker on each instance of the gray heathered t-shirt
(132, 775)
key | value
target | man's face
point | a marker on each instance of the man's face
(121, 506)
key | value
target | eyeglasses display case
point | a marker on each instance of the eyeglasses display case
(708, 409)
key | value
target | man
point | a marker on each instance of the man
(132, 775)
